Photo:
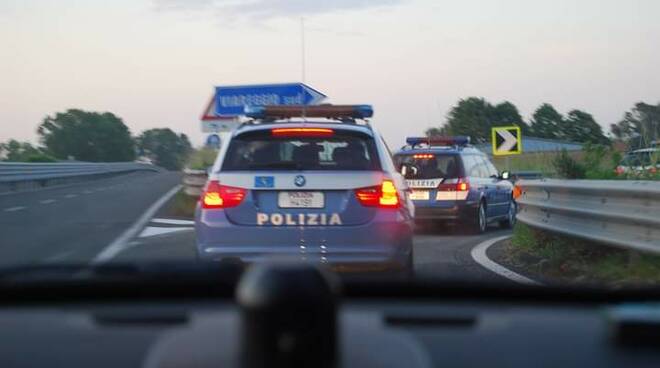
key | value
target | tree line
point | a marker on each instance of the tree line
(98, 137)
(474, 117)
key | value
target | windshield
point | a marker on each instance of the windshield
(640, 159)
(488, 141)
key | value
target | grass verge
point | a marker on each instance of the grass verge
(181, 206)
(565, 260)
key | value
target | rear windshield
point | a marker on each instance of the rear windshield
(266, 153)
(436, 166)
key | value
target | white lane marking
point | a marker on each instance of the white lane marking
(70, 196)
(121, 242)
(48, 201)
(478, 253)
(153, 231)
(173, 221)
(12, 209)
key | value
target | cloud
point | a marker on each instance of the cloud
(268, 9)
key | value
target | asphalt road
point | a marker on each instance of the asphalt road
(74, 224)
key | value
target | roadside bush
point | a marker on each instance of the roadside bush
(40, 157)
(568, 168)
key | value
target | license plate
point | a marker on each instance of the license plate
(300, 200)
(424, 183)
(419, 195)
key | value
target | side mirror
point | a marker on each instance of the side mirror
(505, 175)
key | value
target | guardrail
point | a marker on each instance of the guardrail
(624, 214)
(519, 175)
(17, 176)
(194, 181)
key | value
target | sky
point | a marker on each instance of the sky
(154, 62)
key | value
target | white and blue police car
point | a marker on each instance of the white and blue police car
(453, 182)
(314, 183)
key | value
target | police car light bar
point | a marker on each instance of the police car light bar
(439, 141)
(313, 111)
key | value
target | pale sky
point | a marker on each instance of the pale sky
(154, 62)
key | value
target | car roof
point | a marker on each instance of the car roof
(255, 127)
(450, 150)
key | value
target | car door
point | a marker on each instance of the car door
(503, 189)
(489, 183)
(477, 176)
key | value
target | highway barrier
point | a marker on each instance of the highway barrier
(19, 176)
(194, 181)
(624, 214)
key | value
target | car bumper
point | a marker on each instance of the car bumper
(453, 212)
(375, 246)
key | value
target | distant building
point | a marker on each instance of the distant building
(538, 145)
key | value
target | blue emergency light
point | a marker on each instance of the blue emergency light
(439, 141)
(313, 111)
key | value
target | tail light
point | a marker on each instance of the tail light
(221, 196)
(302, 132)
(383, 195)
(459, 185)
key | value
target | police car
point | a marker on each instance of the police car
(452, 181)
(315, 183)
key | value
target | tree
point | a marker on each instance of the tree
(582, 127)
(87, 136)
(475, 117)
(640, 126)
(507, 113)
(470, 117)
(165, 147)
(547, 123)
(433, 132)
(14, 150)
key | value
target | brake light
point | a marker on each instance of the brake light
(384, 195)
(460, 185)
(302, 132)
(422, 156)
(221, 196)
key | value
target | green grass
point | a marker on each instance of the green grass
(569, 260)
(201, 159)
(181, 206)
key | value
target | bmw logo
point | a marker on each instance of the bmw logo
(299, 181)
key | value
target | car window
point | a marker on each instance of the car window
(471, 166)
(491, 171)
(261, 152)
(431, 167)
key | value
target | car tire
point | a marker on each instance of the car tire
(480, 222)
(511, 216)
(408, 271)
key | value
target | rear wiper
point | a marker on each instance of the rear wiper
(277, 165)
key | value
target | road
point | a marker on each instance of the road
(77, 223)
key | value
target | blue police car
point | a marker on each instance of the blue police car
(314, 183)
(451, 181)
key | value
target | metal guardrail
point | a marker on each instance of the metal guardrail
(518, 175)
(16, 176)
(194, 181)
(624, 214)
